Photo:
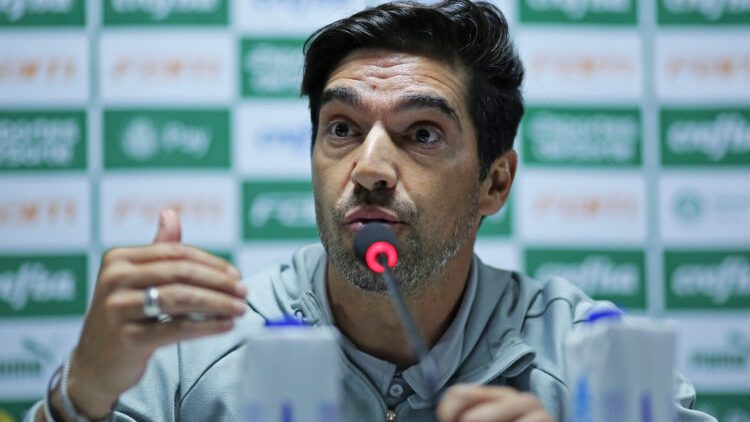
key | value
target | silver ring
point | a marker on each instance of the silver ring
(151, 303)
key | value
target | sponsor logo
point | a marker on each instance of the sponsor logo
(166, 68)
(581, 11)
(698, 208)
(165, 12)
(271, 67)
(584, 66)
(44, 69)
(704, 12)
(575, 136)
(617, 276)
(42, 12)
(130, 206)
(705, 137)
(707, 279)
(707, 67)
(734, 356)
(13, 411)
(169, 69)
(300, 17)
(726, 407)
(42, 285)
(713, 68)
(32, 363)
(291, 138)
(42, 140)
(167, 139)
(567, 66)
(587, 206)
(36, 212)
(279, 131)
(689, 206)
(198, 209)
(278, 210)
(596, 207)
(48, 69)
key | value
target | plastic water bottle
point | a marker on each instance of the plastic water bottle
(620, 369)
(292, 373)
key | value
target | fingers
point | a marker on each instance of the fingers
(166, 251)
(175, 300)
(125, 275)
(157, 334)
(464, 403)
(462, 397)
(169, 227)
(506, 409)
(537, 416)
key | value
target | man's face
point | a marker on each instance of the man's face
(396, 144)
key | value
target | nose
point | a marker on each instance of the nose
(374, 168)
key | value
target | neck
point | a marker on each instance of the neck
(370, 320)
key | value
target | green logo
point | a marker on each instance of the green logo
(498, 224)
(19, 13)
(12, 411)
(169, 12)
(598, 12)
(582, 137)
(705, 137)
(732, 357)
(707, 279)
(274, 210)
(43, 285)
(617, 276)
(271, 67)
(726, 407)
(707, 12)
(42, 140)
(689, 206)
(167, 138)
(31, 364)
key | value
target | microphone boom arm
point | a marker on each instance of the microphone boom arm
(418, 345)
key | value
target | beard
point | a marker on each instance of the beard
(422, 254)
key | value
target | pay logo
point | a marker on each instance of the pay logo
(167, 138)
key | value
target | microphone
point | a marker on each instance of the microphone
(376, 247)
(372, 242)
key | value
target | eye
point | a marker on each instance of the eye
(341, 129)
(426, 135)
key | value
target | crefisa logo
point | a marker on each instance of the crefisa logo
(721, 279)
(708, 10)
(578, 10)
(716, 136)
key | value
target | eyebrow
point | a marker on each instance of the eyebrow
(438, 103)
(345, 95)
(352, 98)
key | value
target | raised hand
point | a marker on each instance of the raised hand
(119, 337)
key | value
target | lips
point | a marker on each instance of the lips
(360, 216)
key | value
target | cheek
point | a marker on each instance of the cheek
(329, 177)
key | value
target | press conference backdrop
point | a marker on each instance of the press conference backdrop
(634, 178)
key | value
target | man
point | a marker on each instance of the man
(414, 111)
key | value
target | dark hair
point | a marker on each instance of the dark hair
(472, 35)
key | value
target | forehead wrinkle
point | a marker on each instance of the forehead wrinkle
(381, 79)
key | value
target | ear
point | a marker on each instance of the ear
(495, 188)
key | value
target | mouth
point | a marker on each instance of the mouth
(358, 217)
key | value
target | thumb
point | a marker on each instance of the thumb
(169, 227)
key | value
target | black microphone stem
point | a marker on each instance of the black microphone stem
(418, 345)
